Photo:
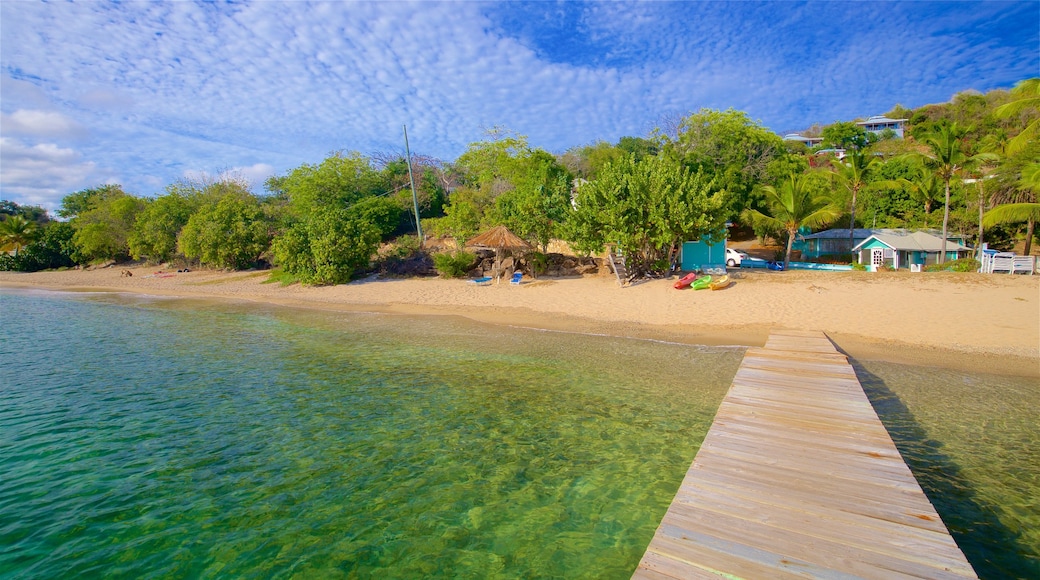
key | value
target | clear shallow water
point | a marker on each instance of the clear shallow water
(166, 438)
(973, 443)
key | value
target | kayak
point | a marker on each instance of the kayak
(721, 283)
(685, 281)
(701, 283)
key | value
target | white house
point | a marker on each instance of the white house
(879, 123)
(809, 141)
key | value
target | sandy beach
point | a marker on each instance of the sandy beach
(968, 321)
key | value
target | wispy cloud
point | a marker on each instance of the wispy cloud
(144, 92)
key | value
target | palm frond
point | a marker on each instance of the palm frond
(1012, 213)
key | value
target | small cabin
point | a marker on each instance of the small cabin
(907, 249)
(703, 254)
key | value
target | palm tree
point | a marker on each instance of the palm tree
(946, 158)
(793, 205)
(852, 173)
(16, 232)
(1023, 211)
(1026, 94)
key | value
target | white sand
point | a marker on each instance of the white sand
(959, 320)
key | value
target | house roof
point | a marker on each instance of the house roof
(912, 241)
(880, 119)
(840, 234)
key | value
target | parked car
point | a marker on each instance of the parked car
(734, 258)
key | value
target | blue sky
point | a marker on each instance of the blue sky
(147, 93)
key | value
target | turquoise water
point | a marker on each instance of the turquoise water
(168, 439)
(973, 443)
(160, 438)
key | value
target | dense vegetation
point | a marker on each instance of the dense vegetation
(970, 166)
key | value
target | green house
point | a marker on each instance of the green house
(905, 249)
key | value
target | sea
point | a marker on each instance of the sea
(154, 437)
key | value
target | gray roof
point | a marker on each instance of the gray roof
(908, 241)
(840, 234)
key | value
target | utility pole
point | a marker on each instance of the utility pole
(411, 178)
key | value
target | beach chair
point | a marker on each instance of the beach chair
(483, 281)
(517, 276)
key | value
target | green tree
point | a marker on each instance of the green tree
(52, 248)
(16, 232)
(946, 158)
(539, 201)
(84, 200)
(1028, 212)
(334, 220)
(102, 230)
(852, 175)
(728, 147)
(154, 235)
(327, 248)
(648, 208)
(792, 205)
(847, 135)
(1026, 95)
(33, 213)
(230, 232)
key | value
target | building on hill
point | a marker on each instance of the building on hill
(809, 141)
(879, 123)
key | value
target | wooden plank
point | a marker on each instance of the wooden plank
(798, 478)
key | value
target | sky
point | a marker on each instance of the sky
(145, 94)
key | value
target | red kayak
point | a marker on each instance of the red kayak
(685, 281)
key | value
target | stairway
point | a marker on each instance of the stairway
(617, 262)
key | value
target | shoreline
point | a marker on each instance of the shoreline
(985, 321)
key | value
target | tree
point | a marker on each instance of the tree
(335, 219)
(327, 248)
(1026, 95)
(852, 174)
(52, 248)
(1028, 212)
(230, 232)
(792, 205)
(946, 157)
(647, 208)
(728, 147)
(103, 228)
(84, 200)
(847, 135)
(16, 232)
(33, 213)
(154, 235)
(539, 201)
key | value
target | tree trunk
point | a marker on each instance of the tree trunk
(1029, 236)
(978, 244)
(852, 220)
(946, 221)
(790, 244)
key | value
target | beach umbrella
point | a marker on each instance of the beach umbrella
(500, 239)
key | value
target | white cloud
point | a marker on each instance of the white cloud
(169, 86)
(41, 124)
(40, 174)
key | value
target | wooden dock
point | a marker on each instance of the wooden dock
(798, 478)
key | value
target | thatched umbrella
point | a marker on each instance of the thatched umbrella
(500, 239)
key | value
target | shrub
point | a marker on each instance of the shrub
(539, 263)
(962, 265)
(455, 264)
(859, 267)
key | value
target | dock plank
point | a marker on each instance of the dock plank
(798, 478)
